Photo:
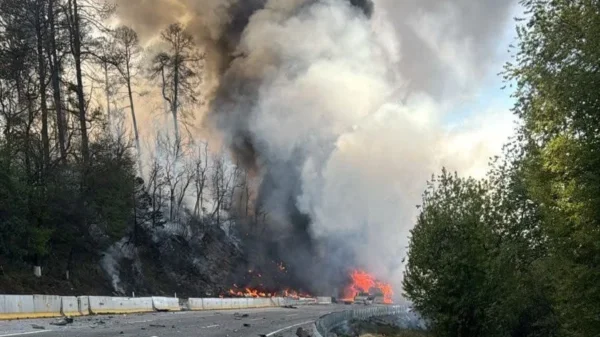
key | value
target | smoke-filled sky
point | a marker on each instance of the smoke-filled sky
(346, 115)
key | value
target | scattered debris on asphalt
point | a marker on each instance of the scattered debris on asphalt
(246, 325)
(239, 316)
(63, 321)
(302, 333)
(39, 327)
(157, 326)
(290, 307)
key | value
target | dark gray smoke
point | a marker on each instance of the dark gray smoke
(287, 235)
(335, 117)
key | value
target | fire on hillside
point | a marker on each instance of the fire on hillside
(360, 282)
(256, 293)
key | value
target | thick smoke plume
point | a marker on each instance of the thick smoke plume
(313, 97)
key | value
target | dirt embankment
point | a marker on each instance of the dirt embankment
(168, 265)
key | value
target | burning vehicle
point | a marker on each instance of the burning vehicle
(364, 298)
(365, 289)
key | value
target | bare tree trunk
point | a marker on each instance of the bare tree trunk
(107, 93)
(76, 48)
(134, 119)
(175, 103)
(42, 89)
(172, 203)
(55, 68)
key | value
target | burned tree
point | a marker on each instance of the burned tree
(178, 69)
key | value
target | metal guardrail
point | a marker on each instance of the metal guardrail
(325, 324)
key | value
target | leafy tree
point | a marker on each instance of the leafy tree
(558, 73)
(476, 259)
(448, 256)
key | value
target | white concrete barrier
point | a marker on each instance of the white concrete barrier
(119, 305)
(47, 305)
(259, 303)
(240, 303)
(306, 301)
(16, 306)
(166, 304)
(228, 303)
(324, 300)
(195, 304)
(277, 301)
(29, 306)
(213, 304)
(69, 306)
(83, 303)
(35, 306)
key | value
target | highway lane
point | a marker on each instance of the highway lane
(272, 322)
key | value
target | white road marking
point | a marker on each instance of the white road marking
(287, 328)
(290, 315)
(134, 322)
(25, 333)
(206, 327)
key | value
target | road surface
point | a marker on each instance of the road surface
(272, 322)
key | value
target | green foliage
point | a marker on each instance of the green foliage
(523, 246)
(558, 74)
(475, 258)
(110, 185)
(447, 256)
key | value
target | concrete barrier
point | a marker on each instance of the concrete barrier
(83, 303)
(16, 306)
(119, 305)
(29, 306)
(37, 306)
(47, 305)
(324, 300)
(213, 304)
(277, 301)
(240, 303)
(69, 306)
(259, 303)
(229, 303)
(195, 304)
(166, 304)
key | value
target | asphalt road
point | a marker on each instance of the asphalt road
(272, 322)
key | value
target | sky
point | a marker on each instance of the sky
(481, 122)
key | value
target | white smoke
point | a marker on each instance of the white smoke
(354, 106)
(327, 79)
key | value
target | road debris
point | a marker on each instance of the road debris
(62, 322)
(302, 333)
(39, 327)
(239, 316)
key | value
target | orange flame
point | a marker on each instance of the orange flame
(364, 282)
(255, 293)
